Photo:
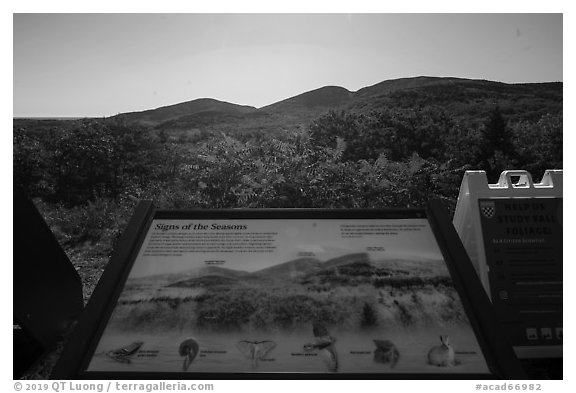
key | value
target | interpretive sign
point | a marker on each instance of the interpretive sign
(304, 291)
(512, 231)
(523, 243)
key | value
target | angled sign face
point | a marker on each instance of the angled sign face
(261, 293)
(523, 246)
(512, 231)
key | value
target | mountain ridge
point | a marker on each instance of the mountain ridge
(462, 96)
(326, 96)
(187, 108)
(294, 268)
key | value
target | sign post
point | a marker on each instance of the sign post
(47, 290)
(512, 232)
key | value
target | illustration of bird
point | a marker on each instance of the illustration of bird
(125, 353)
(255, 350)
(386, 352)
(324, 344)
(189, 349)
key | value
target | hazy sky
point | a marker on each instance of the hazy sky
(104, 64)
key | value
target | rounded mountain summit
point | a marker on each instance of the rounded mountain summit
(462, 98)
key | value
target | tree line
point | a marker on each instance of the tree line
(85, 177)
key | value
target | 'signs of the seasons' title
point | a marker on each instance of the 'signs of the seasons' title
(201, 227)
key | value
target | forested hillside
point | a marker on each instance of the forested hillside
(383, 146)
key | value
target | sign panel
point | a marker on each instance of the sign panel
(289, 295)
(259, 293)
(523, 243)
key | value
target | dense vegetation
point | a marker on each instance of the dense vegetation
(86, 175)
(357, 301)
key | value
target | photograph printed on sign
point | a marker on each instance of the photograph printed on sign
(292, 295)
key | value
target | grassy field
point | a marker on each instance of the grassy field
(349, 296)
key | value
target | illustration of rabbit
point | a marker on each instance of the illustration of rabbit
(442, 355)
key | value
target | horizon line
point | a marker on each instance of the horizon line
(78, 117)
